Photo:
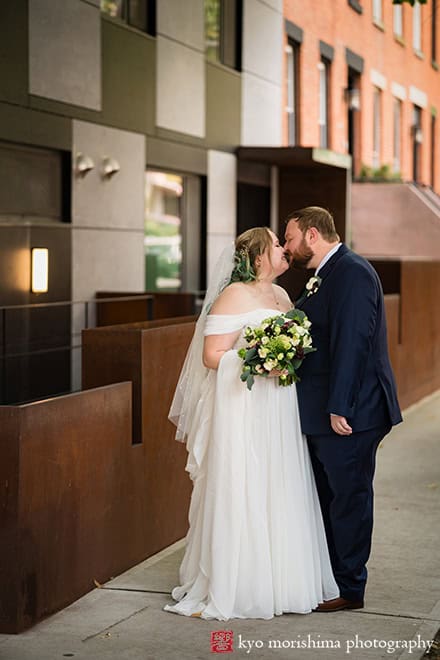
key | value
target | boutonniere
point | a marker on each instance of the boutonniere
(313, 285)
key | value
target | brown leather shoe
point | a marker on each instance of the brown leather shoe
(337, 604)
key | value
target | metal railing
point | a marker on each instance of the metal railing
(52, 343)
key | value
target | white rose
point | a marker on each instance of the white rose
(262, 352)
(270, 364)
(265, 340)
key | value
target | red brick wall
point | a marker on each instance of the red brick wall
(336, 23)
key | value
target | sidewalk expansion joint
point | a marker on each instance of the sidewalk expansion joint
(420, 617)
(140, 591)
(113, 625)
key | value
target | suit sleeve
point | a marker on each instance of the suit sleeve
(352, 323)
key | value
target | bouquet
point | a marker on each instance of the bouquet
(279, 342)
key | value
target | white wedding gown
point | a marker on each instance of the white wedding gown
(256, 544)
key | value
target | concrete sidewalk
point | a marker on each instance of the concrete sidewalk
(124, 619)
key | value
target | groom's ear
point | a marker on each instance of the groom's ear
(313, 234)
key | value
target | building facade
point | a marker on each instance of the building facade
(362, 77)
(119, 122)
(138, 137)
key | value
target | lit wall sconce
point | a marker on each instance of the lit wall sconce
(83, 164)
(110, 167)
(353, 98)
(40, 270)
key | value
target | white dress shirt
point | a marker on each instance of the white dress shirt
(328, 256)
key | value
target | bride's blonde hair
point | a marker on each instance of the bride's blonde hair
(251, 244)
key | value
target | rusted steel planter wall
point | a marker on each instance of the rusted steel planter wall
(92, 483)
(65, 469)
(150, 354)
(414, 330)
(84, 494)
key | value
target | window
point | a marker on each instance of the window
(398, 20)
(417, 27)
(223, 32)
(377, 98)
(324, 75)
(140, 14)
(377, 11)
(417, 136)
(163, 231)
(175, 205)
(292, 109)
(397, 132)
(434, 31)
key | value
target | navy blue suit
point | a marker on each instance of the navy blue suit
(350, 374)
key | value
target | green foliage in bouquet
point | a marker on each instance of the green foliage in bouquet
(279, 342)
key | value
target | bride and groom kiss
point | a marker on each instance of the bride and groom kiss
(281, 513)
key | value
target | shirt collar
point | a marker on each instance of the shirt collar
(327, 257)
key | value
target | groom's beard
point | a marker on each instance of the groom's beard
(302, 256)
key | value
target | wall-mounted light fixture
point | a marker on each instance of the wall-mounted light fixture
(83, 164)
(110, 167)
(40, 270)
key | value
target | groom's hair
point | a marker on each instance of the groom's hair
(315, 216)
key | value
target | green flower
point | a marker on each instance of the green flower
(278, 344)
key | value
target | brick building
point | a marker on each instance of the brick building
(362, 77)
(368, 83)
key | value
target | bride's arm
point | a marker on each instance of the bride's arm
(216, 346)
(229, 302)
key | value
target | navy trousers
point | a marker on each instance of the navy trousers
(344, 470)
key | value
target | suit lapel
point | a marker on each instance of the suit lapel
(325, 270)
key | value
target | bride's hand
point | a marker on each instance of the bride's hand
(276, 373)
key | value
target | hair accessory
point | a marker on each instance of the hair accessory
(243, 270)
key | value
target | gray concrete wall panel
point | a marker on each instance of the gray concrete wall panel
(262, 41)
(221, 204)
(223, 94)
(65, 51)
(261, 112)
(179, 157)
(182, 21)
(117, 202)
(180, 101)
(106, 260)
(261, 108)
(129, 82)
(18, 124)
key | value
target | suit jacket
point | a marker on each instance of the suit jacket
(350, 373)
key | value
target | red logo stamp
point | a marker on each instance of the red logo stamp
(221, 641)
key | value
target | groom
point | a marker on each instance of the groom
(347, 394)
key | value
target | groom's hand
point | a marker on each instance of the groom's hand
(340, 425)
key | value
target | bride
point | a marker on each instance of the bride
(256, 544)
